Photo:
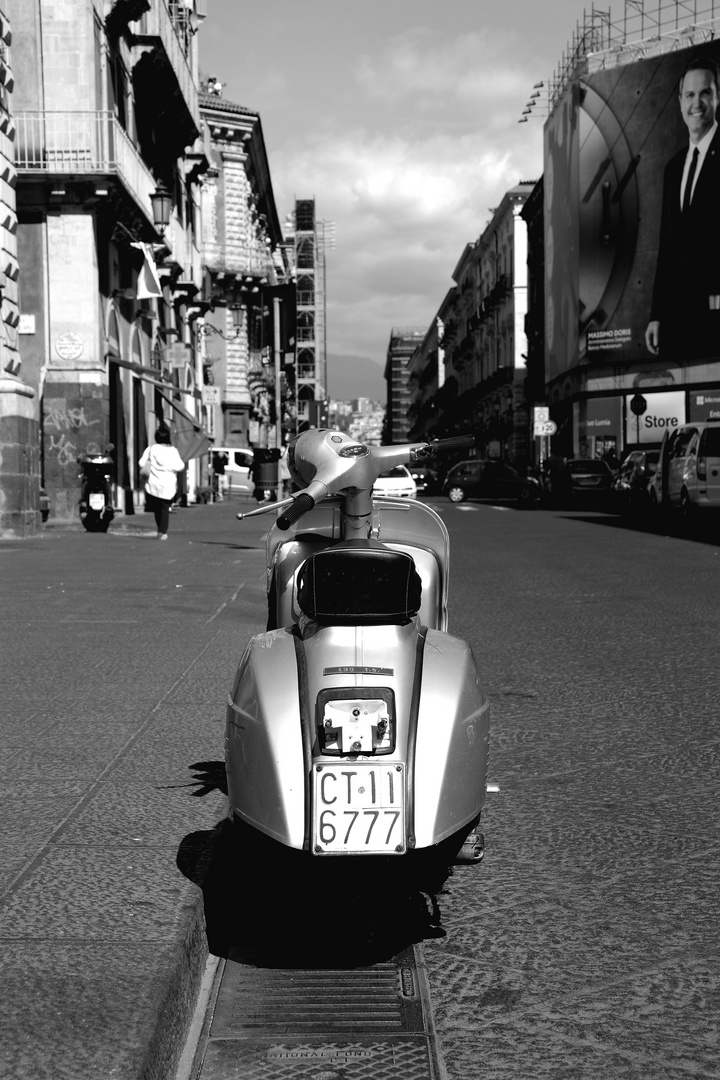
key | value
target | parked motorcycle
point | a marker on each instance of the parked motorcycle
(96, 505)
(357, 725)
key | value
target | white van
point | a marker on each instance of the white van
(236, 479)
(688, 473)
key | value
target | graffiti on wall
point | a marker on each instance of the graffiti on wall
(68, 423)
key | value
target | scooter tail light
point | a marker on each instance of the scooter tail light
(356, 720)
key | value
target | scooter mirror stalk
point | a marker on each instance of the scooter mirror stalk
(265, 508)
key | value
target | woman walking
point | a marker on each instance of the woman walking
(161, 463)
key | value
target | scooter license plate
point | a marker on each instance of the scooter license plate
(97, 500)
(359, 809)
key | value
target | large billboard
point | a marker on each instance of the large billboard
(608, 142)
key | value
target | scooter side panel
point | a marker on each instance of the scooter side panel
(263, 740)
(453, 736)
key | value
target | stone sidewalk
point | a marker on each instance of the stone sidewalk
(116, 655)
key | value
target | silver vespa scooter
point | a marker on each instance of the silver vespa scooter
(356, 725)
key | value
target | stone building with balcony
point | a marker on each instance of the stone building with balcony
(429, 391)
(497, 326)
(109, 156)
(479, 386)
(243, 256)
(19, 457)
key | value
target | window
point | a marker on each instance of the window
(682, 442)
(710, 442)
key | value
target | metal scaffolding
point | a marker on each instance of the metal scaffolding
(600, 40)
(311, 237)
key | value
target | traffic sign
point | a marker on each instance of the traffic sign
(541, 414)
(211, 395)
(638, 405)
(547, 427)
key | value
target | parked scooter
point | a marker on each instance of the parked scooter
(357, 726)
(96, 505)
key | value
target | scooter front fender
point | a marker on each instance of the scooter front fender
(263, 740)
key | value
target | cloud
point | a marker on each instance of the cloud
(432, 145)
(474, 70)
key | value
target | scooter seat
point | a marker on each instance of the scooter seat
(353, 585)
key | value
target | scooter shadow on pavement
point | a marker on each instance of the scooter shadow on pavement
(270, 906)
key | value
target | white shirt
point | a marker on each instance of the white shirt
(163, 462)
(703, 146)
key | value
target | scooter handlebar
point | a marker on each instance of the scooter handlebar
(458, 442)
(299, 506)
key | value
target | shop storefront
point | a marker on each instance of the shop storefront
(597, 424)
(652, 416)
(704, 405)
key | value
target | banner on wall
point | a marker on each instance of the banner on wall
(704, 405)
(608, 142)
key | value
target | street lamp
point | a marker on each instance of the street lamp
(238, 318)
(161, 201)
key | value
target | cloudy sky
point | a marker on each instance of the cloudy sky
(400, 117)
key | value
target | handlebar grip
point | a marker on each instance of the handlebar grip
(458, 442)
(299, 506)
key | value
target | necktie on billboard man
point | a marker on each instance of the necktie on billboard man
(687, 197)
(148, 284)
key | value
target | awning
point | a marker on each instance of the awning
(191, 438)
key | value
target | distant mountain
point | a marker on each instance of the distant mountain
(352, 377)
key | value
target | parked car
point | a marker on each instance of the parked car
(631, 485)
(426, 480)
(590, 479)
(395, 483)
(238, 463)
(488, 479)
(688, 474)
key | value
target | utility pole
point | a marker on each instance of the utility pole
(278, 387)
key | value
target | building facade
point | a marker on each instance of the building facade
(19, 425)
(404, 340)
(614, 123)
(244, 258)
(108, 235)
(469, 373)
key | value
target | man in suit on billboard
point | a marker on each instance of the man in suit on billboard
(685, 314)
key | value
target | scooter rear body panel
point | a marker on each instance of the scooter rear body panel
(263, 740)
(440, 724)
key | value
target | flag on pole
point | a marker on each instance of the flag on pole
(148, 284)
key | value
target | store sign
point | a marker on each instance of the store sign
(603, 417)
(178, 354)
(665, 412)
(704, 405)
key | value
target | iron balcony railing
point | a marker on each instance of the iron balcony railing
(236, 261)
(82, 144)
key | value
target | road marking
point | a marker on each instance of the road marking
(224, 605)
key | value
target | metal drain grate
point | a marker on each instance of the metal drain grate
(321, 1024)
